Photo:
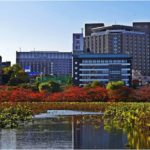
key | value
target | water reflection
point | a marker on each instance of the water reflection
(75, 132)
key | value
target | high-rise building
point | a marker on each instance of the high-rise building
(90, 26)
(121, 39)
(78, 43)
(45, 62)
(102, 68)
(145, 47)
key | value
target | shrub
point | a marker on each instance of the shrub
(96, 84)
(135, 83)
(77, 94)
(44, 87)
(113, 85)
(122, 94)
(143, 94)
(11, 117)
(50, 86)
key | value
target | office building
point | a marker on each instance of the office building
(90, 26)
(45, 62)
(78, 43)
(102, 68)
(6, 64)
(121, 39)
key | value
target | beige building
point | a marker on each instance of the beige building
(120, 39)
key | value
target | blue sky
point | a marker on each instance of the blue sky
(49, 25)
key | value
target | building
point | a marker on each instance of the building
(102, 68)
(121, 39)
(6, 64)
(78, 43)
(90, 26)
(0, 70)
(45, 62)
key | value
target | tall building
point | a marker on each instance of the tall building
(90, 26)
(121, 39)
(102, 68)
(145, 62)
(45, 62)
(78, 43)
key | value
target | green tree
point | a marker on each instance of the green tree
(6, 74)
(96, 83)
(69, 80)
(50, 86)
(14, 75)
(113, 85)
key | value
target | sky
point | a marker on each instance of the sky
(39, 25)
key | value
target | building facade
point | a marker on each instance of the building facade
(90, 26)
(120, 39)
(6, 64)
(78, 43)
(102, 68)
(45, 62)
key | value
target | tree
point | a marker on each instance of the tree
(96, 83)
(69, 81)
(14, 75)
(135, 83)
(50, 86)
(6, 74)
(113, 85)
(123, 93)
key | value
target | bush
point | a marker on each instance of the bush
(123, 93)
(33, 87)
(96, 84)
(15, 81)
(11, 117)
(15, 94)
(50, 86)
(114, 85)
(143, 94)
(77, 94)
(135, 83)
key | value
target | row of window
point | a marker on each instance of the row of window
(104, 61)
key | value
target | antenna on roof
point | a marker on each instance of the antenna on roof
(33, 49)
(20, 49)
(82, 30)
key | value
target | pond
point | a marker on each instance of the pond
(76, 131)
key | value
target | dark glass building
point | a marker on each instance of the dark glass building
(6, 64)
(45, 62)
(102, 68)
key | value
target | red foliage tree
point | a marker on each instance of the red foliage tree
(122, 94)
(77, 94)
(143, 94)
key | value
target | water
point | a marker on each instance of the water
(71, 132)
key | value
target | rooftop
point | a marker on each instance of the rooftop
(41, 52)
(114, 27)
